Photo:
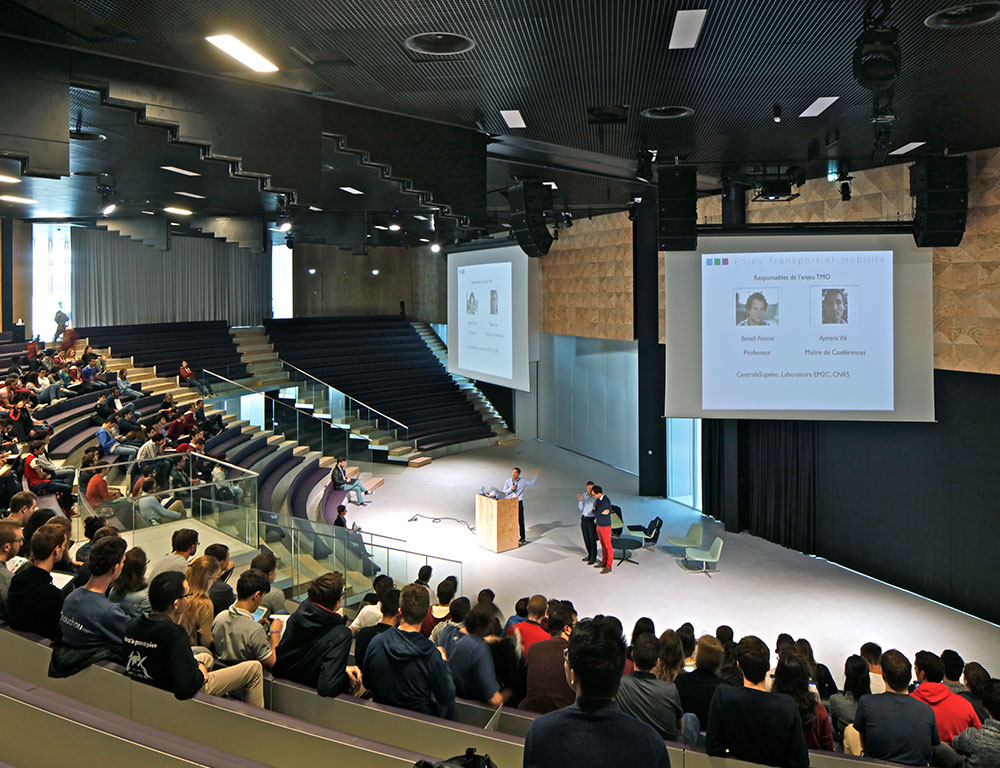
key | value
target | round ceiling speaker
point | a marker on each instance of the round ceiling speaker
(965, 15)
(667, 113)
(440, 43)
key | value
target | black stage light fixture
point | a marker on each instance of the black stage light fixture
(877, 56)
(774, 191)
(644, 166)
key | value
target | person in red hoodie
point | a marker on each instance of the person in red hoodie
(952, 713)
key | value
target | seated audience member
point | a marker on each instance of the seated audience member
(316, 642)
(471, 662)
(843, 706)
(371, 614)
(183, 546)
(981, 746)
(110, 445)
(446, 590)
(238, 635)
(424, 580)
(100, 497)
(341, 521)
(729, 671)
(724, 634)
(91, 525)
(531, 631)
(697, 687)
(819, 674)
(104, 410)
(220, 593)
(642, 626)
(152, 509)
(33, 601)
(547, 687)
(390, 618)
(211, 424)
(791, 677)
(37, 473)
(594, 730)
(274, 600)
(895, 726)
(654, 701)
(156, 650)
(952, 713)
(872, 654)
(188, 379)
(125, 386)
(89, 619)
(520, 614)
(229, 490)
(130, 589)
(670, 662)
(486, 598)
(196, 619)
(22, 506)
(751, 724)
(685, 632)
(11, 538)
(83, 553)
(451, 628)
(975, 678)
(954, 666)
(403, 668)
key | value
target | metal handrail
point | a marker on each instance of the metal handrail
(329, 386)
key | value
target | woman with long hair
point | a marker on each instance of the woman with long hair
(198, 615)
(820, 673)
(130, 589)
(671, 660)
(791, 677)
(843, 706)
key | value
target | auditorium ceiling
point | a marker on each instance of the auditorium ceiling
(580, 72)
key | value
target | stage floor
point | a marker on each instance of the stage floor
(759, 588)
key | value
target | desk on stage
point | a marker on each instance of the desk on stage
(496, 523)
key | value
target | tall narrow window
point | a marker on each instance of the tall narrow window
(281, 280)
(52, 277)
(684, 462)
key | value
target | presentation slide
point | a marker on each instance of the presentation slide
(797, 330)
(492, 313)
(485, 330)
(826, 327)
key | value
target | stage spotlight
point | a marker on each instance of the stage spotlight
(567, 219)
(877, 56)
(435, 248)
(285, 226)
(774, 191)
(108, 207)
(644, 166)
(845, 191)
(289, 240)
(777, 113)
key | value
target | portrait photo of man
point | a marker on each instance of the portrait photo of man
(755, 310)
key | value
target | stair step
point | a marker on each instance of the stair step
(370, 482)
(300, 450)
(401, 450)
(420, 461)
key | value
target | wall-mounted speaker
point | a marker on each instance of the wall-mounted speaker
(941, 187)
(529, 201)
(677, 208)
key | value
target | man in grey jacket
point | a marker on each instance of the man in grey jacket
(981, 746)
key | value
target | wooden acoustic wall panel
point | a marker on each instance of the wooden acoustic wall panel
(586, 280)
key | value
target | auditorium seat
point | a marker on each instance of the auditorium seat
(383, 362)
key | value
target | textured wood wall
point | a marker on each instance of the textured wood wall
(966, 279)
(586, 280)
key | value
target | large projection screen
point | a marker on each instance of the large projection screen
(831, 327)
(488, 328)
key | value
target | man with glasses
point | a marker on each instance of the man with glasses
(156, 650)
(11, 539)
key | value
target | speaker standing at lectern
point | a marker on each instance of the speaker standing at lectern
(514, 489)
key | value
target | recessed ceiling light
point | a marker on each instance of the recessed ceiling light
(190, 194)
(242, 52)
(907, 148)
(422, 218)
(9, 179)
(109, 209)
(178, 211)
(817, 107)
(513, 118)
(550, 184)
(435, 248)
(962, 16)
(394, 227)
(285, 226)
(667, 113)
(174, 224)
(312, 271)
(439, 43)
(687, 27)
(352, 191)
(181, 171)
(149, 213)
(375, 272)
(314, 208)
(424, 240)
(16, 199)
(383, 228)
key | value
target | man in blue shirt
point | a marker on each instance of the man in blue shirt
(89, 619)
(513, 488)
(471, 660)
(594, 730)
(111, 445)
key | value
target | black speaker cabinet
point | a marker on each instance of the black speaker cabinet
(529, 202)
(941, 188)
(677, 208)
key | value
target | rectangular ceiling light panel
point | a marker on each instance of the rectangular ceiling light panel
(352, 191)
(190, 194)
(178, 211)
(181, 171)
(513, 118)
(907, 148)
(687, 27)
(819, 106)
(242, 52)
(16, 199)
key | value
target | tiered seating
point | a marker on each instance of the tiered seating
(76, 433)
(382, 362)
(163, 345)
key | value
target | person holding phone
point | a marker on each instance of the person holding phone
(238, 634)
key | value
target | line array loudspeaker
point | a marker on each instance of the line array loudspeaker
(941, 186)
(528, 202)
(677, 208)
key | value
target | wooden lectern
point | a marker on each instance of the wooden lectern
(496, 523)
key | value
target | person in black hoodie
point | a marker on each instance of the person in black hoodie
(405, 669)
(156, 650)
(33, 601)
(317, 641)
(390, 618)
